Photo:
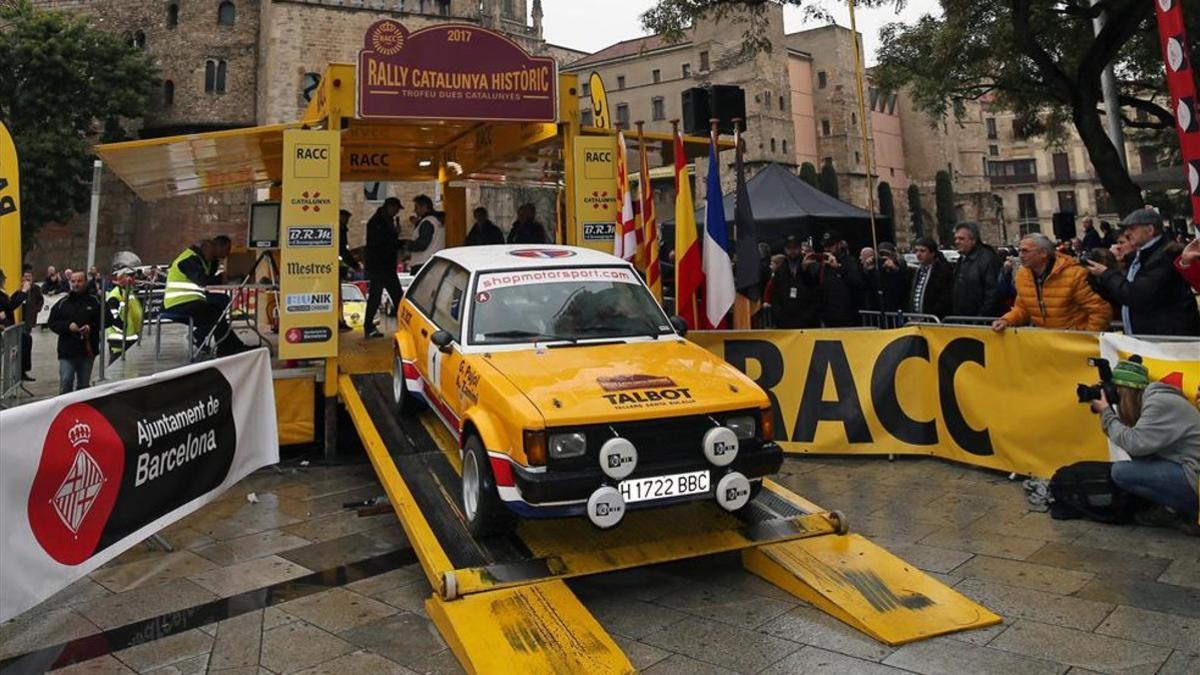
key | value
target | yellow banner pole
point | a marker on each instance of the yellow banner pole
(859, 77)
(10, 211)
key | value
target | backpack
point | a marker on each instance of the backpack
(1086, 490)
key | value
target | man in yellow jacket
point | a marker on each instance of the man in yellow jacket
(1053, 292)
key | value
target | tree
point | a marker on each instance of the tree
(887, 206)
(944, 203)
(828, 181)
(808, 173)
(1041, 60)
(63, 83)
(915, 211)
(673, 18)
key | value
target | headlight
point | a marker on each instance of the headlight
(563, 446)
(742, 426)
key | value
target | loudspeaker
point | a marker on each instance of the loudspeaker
(696, 111)
(728, 103)
(1064, 226)
(725, 102)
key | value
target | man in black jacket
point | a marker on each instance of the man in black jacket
(526, 229)
(484, 231)
(1155, 299)
(793, 297)
(976, 275)
(839, 279)
(933, 281)
(383, 246)
(76, 320)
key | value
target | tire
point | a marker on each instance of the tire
(401, 398)
(839, 521)
(484, 513)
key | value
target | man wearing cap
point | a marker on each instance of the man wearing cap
(793, 298)
(839, 280)
(1155, 299)
(383, 247)
(124, 319)
(1160, 429)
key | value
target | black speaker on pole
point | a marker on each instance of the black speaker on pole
(728, 103)
(696, 111)
(1064, 226)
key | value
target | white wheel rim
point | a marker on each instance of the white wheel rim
(470, 486)
(397, 379)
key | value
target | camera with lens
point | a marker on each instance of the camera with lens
(1086, 393)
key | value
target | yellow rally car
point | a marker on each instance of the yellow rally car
(571, 392)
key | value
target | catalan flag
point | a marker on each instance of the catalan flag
(649, 238)
(625, 232)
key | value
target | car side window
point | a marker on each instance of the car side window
(424, 288)
(450, 303)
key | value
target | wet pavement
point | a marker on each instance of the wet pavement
(297, 583)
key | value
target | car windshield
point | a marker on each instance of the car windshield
(563, 304)
(350, 293)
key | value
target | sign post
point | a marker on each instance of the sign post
(308, 286)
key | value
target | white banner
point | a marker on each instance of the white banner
(1174, 362)
(87, 475)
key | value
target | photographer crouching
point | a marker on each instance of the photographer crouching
(1160, 429)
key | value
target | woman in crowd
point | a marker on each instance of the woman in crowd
(1160, 429)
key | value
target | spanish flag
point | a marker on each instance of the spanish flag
(649, 238)
(689, 277)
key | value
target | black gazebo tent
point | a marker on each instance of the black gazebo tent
(784, 204)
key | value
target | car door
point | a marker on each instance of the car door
(416, 314)
(449, 307)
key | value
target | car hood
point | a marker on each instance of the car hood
(586, 384)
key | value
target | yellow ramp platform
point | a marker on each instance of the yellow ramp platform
(536, 628)
(867, 587)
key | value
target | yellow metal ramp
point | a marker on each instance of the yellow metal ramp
(531, 629)
(863, 585)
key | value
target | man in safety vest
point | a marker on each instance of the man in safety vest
(431, 233)
(185, 294)
(124, 324)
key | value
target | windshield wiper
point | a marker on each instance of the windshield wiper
(541, 337)
(646, 331)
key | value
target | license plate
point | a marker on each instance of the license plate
(662, 487)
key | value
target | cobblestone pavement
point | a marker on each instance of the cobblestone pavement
(1075, 596)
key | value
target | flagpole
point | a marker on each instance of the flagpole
(741, 304)
(679, 177)
(865, 121)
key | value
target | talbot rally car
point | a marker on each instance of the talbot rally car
(571, 392)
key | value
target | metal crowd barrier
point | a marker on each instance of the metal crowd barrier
(870, 318)
(968, 320)
(10, 360)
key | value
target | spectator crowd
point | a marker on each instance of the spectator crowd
(1139, 277)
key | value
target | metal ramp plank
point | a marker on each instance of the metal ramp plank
(531, 629)
(865, 586)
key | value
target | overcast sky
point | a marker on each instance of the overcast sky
(592, 25)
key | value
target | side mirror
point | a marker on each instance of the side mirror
(679, 325)
(442, 339)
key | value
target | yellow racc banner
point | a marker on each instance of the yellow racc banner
(10, 211)
(308, 286)
(596, 191)
(1002, 401)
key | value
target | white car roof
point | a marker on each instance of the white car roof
(524, 256)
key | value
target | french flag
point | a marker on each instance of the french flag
(719, 290)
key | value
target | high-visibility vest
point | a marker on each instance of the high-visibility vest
(180, 289)
(129, 310)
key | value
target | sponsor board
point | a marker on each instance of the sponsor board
(595, 191)
(599, 231)
(308, 252)
(104, 468)
(495, 280)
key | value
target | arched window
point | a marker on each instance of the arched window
(172, 15)
(168, 93)
(138, 40)
(226, 14)
(214, 76)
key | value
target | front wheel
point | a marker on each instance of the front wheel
(485, 514)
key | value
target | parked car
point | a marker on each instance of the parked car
(570, 391)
